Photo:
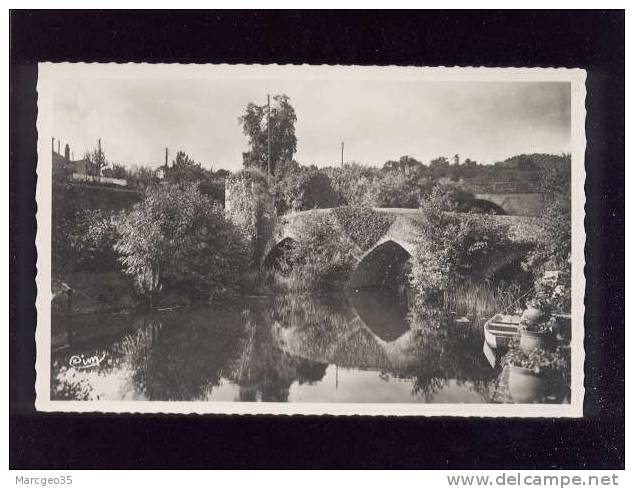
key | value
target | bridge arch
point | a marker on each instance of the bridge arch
(273, 257)
(483, 205)
(382, 265)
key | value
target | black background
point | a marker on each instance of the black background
(591, 40)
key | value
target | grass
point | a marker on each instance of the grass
(481, 300)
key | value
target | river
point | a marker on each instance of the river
(347, 347)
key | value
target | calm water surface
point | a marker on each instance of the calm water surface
(361, 347)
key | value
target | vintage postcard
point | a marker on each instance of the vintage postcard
(346, 240)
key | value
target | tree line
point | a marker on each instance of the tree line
(179, 238)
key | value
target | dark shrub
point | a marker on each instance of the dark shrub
(451, 247)
(178, 238)
(320, 254)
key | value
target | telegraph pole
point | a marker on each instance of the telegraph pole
(342, 154)
(268, 137)
(166, 151)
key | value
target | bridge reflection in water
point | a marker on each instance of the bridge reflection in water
(365, 347)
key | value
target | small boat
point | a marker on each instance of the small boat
(501, 329)
(490, 355)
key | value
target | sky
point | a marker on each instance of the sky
(379, 120)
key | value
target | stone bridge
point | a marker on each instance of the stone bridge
(513, 204)
(382, 262)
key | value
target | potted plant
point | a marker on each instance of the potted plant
(537, 334)
(536, 322)
(538, 375)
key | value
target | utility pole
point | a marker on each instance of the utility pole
(52, 145)
(342, 154)
(268, 137)
(166, 152)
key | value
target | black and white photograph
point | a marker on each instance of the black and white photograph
(291, 239)
(330, 238)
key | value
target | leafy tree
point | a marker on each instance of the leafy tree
(554, 246)
(222, 174)
(143, 176)
(82, 238)
(303, 189)
(116, 171)
(405, 163)
(455, 170)
(320, 255)
(95, 161)
(178, 239)
(184, 170)
(401, 189)
(451, 247)
(355, 184)
(283, 140)
(439, 167)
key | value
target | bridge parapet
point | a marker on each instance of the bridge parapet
(403, 233)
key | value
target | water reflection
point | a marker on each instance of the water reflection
(364, 347)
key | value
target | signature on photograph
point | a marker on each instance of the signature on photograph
(82, 361)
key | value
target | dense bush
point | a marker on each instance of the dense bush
(554, 248)
(302, 189)
(364, 225)
(402, 189)
(178, 239)
(320, 256)
(358, 185)
(249, 205)
(355, 184)
(83, 239)
(451, 247)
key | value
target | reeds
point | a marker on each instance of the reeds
(481, 300)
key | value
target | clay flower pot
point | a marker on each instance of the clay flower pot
(525, 386)
(530, 340)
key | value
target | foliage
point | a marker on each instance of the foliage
(364, 225)
(303, 188)
(178, 239)
(83, 238)
(96, 161)
(116, 171)
(184, 170)
(249, 206)
(320, 256)
(554, 248)
(405, 164)
(402, 189)
(355, 184)
(142, 176)
(479, 300)
(546, 325)
(553, 293)
(451, 247)
(282, 133)
(539, 360)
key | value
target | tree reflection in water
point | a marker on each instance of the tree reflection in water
(264, 348)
